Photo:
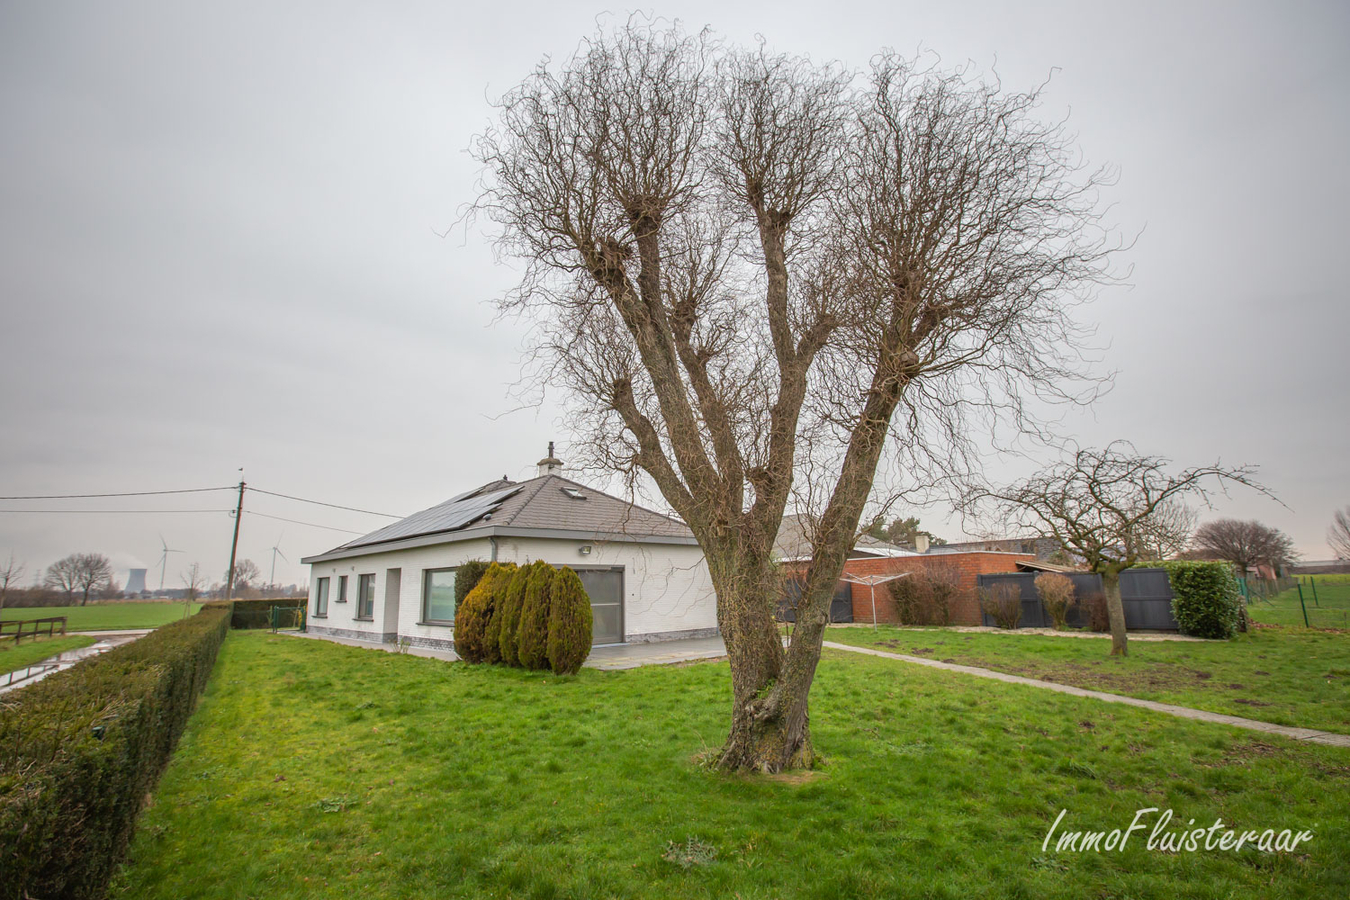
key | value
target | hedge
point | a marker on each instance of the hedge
(1205, 597)
(532, 644)
(258, 613)
(569, 624)
(475, 613)
(467, 576)
(509, 612)
(83, 748)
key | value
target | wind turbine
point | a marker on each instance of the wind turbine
(276, 551)
(164, 561)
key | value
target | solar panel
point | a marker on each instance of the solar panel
(452, 514)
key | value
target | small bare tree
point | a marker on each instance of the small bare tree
(1103, 505)
(82, 572)
(1338, 535)
(749, 271)
(11, 573)
(193, 582)
(1245, 544)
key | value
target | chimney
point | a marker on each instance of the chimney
(550, 465)
(921, 543)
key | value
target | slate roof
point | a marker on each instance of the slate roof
(548, 504)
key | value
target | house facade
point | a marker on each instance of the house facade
(644, 571)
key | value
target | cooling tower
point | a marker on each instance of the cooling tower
(135, 581)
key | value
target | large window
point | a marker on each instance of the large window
(321, 598)
(438, 596)
(342, 589)
(365, 596)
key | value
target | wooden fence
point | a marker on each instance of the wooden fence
(18, 630)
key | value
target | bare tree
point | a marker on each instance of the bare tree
(82, 572)
(246, 575)
(1167, 532)
(1338, 535)
(1245, 544)
(748, 271)
(10, 575)
(1104, 505)
(194, 582)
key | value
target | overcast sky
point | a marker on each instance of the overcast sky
(218, 248)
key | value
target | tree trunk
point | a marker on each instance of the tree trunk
(1115, 611)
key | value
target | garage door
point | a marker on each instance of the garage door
(605, 588)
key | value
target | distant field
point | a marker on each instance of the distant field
(1329, 607)
(105, 616)
(16, 657)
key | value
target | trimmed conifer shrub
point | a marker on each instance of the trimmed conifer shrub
(472, 616)
(492, 652)
(467, 576)
(508, 611)
(569, 624)
(532, 645)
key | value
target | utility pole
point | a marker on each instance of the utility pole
(234, 545)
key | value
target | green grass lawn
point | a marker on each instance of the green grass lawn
(317, 770)
(1329, 607)
(30, 651)
(1275, 675)
(106, 616)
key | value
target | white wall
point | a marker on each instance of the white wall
(666, 587)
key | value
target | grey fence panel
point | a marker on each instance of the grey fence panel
(841, 606)
(1145, 594)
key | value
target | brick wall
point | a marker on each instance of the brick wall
(965, 608)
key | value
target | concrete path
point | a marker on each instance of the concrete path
(1181, 712)
(610, 658)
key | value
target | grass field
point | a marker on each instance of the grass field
(317, 770)
(1325, 597)
(105, 616)
(1275, 675)
(30, 651)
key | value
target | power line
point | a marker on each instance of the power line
(125, 494)
(115, 510)
(298, 522)
(321, 503)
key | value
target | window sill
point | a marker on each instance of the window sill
(438, 624)
(363, 618)
(317, 616)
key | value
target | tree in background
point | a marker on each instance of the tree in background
(1338, 535)
(193, 583)
(10, 575)
(1245, 544)
(82, 572)
(754, 273)
(1103, 505)
(246, 575)
(900, 531)
(1168, 531)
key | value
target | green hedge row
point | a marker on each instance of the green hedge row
(83, 747)
(258, 613)
(1205, 597)
(533, 616)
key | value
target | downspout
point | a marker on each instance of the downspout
(492, 539)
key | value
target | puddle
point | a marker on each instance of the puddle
(41, 669)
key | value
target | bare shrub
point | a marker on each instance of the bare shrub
(1056, 592)
(1002, 603)
(1098, 616)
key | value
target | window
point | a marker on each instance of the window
(342, 589)
(321, 598)
(438, 596)
(365, 596)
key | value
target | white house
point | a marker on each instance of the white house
(644, 571)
